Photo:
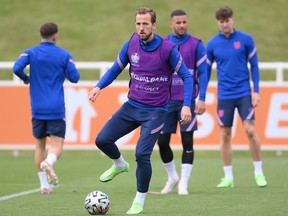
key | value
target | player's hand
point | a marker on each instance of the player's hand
(27, 81)
(200, 107)
(185, 115)
(255, 99)
(94, 93)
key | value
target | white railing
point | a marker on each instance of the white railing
(279, 68)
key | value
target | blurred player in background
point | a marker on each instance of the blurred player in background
(194, 55)
(152, 61)
(232, 50)
(49, 66)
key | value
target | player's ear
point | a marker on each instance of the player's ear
(55, 37)
(154, 25)
(170, 24)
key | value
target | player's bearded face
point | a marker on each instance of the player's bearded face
(145, 36)
(179, 25)
(144, 27)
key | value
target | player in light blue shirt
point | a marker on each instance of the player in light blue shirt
(232, 50)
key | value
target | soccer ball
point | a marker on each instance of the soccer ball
(97, 203)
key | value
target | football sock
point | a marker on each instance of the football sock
(119, 163)
(140, 198)
(258, 168)
(43, 180)
(185, 173)
(228, 172)
(171, 170)
(51, 159)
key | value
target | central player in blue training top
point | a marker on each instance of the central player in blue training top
(152, 62)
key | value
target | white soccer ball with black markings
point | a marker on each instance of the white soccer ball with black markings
(97, 203)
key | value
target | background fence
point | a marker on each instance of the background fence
(278, 67)
(84, 119)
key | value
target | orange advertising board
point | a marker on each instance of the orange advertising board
(85, 119)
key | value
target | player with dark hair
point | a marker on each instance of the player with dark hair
(49, 66)
(232, 50)
(194, 55)
(152, 61)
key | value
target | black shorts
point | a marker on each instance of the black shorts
(44, 128)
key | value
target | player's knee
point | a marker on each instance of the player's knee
(250, 130)
(142, 157)
(100, 141)
(160, 142)
(163, 140)
(226, 134)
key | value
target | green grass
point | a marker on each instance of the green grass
(94, 30)
(79, 172)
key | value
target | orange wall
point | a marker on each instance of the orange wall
(85, 119)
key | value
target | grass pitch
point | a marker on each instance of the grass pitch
(79, 172)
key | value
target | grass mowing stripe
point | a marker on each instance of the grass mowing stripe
(11, 196)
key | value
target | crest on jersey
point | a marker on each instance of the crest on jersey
(237, 44)
(135, 58)
(221, 113)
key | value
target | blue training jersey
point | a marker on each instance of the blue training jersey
(232, 55)
(175, 61)
(49, 66)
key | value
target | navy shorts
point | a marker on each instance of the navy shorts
(173, 117)
(226, 109)
(44, 128)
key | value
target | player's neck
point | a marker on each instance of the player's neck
(227, 34)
